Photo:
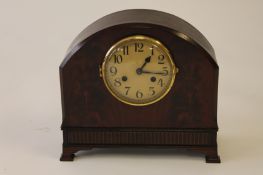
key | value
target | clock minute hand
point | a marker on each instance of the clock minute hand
(148, 72)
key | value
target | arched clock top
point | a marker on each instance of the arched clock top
(143, 18)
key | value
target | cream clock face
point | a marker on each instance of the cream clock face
(138, 70)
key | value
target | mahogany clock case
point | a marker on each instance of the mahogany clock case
(186, 118)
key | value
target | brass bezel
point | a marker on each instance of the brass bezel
(157, 43)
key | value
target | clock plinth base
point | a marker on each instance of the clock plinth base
(69, 152)
(201, 141)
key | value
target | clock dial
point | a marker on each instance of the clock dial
(138, 70)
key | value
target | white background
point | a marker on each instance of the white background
(34, 36)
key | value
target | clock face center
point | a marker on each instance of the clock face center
(138, 70)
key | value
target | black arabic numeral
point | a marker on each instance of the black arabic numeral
(138, 47)
(160, 82)
(127, 90)
(152, 51)
(125, 50)
(152, 90)
(117, 82)
(139, 94)
(161, 59)
(113, 70)
(117, 59)
(165, 71)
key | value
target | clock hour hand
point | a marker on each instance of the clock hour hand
(147, 60)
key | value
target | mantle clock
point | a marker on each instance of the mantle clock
(140, 78)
